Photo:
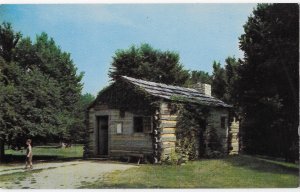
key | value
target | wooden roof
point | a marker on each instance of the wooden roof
(171, 92)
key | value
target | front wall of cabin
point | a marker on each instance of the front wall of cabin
(119, 144)
(130, 143)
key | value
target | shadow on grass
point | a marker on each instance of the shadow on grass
(262, 165)
(119, 186)
(22, 158)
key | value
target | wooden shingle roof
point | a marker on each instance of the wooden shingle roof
(171, 92)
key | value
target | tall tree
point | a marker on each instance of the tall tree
(232, 77)
(46, 56)
(40, 89)
(147, 63)
(268, 89)
(224, 80)
(8, 78)
(219, 83)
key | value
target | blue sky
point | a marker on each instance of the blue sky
(200, 33)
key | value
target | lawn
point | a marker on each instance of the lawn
(48, 152)
(231, 172)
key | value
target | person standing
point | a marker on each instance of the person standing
(28, 154)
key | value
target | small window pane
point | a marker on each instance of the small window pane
(138, 124)
(147, 125)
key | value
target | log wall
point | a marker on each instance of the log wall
(167, 128)
(214, 121)
(234, 130)
(124, 144)
(158, 144)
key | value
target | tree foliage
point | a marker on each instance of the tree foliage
(219, 83)
(268, 84)
(198, 76)
(190, 131)
(150, 64)
(40, 89)
(78, 131)
(224, 80)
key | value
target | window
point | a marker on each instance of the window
(138, 124)
(147, 125)
(142, 124)
(223, 122)
(119, 128)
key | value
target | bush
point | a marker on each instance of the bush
(191, 125)
(172, 159)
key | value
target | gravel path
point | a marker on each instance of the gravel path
(65, 175)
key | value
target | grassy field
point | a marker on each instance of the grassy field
(48, 152)
(231, 172)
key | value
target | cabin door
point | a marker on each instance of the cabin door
(102, 135)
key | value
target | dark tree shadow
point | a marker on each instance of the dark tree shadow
(261, 164)
(22, 158)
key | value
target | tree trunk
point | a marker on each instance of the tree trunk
(2, 154)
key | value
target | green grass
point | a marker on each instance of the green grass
(16, 177)
(75, 151)
(231, 172)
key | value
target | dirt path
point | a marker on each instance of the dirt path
(66, 175)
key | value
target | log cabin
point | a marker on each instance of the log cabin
(137, 118)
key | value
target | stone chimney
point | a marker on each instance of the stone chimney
(203, 88)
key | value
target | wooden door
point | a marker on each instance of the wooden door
(103, 135)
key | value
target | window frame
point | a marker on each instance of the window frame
(150, 124)
(143, 127)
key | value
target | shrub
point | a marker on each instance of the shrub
(189, 131)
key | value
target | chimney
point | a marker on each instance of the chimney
(203, 88)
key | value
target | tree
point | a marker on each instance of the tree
(150, 64)
(219, 83)
(40, 89)
(47, 57)
(199, 76)
(224, 83)
(78, 130)
(86, 99)
(8, 41)
(231, 74)
(268, 88)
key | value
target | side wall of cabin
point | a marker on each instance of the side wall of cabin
(214, 122)
(167, 128)
(125, 143)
